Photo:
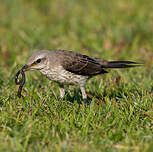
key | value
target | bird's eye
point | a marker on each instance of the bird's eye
(38, 61)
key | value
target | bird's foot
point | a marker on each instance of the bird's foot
(58, 103)
(85, 101)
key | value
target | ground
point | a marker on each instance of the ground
(120, 116)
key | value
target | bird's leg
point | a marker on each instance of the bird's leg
(84, 95)
(62, 93)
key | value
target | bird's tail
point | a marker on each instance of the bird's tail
(121, 64)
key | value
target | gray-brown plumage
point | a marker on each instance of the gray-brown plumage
(66, 67)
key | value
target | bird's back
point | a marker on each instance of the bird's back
(79, 64)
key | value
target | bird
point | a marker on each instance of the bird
(71, 68)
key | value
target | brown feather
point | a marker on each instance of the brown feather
(80, 64)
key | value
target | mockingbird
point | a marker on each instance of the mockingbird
(66, 67)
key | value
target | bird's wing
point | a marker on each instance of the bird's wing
(81, 64)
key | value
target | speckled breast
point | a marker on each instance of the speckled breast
(59, 74)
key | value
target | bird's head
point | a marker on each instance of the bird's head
(37, 61)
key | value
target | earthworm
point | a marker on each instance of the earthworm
(20, 82)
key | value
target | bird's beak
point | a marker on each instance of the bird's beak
(25, 67)
(28, 67)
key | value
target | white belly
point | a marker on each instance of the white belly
(59, 74)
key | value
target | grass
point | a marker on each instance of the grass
(120, 117)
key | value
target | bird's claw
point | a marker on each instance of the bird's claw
(58, 103)
(85, 101)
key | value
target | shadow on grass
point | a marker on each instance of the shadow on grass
(116, 92)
